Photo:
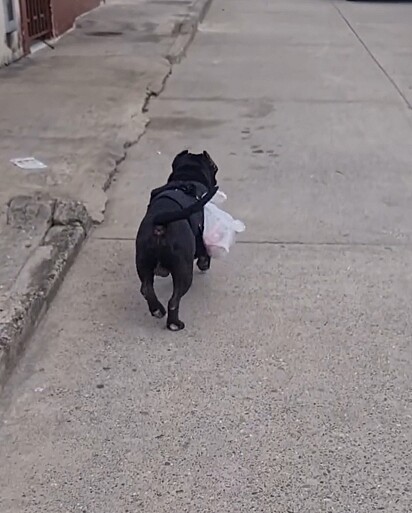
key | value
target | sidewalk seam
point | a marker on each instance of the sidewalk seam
(266, 242)
(371, 55)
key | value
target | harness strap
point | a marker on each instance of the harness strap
(195, 220)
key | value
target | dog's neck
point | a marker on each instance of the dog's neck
(186, 174)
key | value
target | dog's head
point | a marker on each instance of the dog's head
(197, 167)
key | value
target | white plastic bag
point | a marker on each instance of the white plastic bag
(220, 228)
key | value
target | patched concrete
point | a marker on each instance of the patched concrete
(28, 218)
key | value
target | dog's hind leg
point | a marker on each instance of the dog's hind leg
(182, 280)
(146, 275)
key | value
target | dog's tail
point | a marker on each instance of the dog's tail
(164, 218)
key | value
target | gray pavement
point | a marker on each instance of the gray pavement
(290, 389)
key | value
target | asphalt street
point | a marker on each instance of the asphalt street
(290, 389)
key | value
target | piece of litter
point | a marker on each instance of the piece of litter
(28, 163)
(39, 389)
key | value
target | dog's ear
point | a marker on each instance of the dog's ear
(211, 162)
(178, 156)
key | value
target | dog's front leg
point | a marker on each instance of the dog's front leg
(182, 280)
(203, 259)
(203, 263)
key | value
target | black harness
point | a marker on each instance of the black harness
(184, 194)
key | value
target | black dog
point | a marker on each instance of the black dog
(170, 236)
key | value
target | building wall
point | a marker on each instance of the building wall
(10, 44)
(64, 12)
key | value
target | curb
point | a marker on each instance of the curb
(39, 280)
(187, 29)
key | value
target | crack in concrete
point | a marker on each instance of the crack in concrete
(150, 93)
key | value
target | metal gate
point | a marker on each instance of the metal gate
(36, 20)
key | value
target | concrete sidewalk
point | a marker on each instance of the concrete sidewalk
(77, 108)
(289, 391)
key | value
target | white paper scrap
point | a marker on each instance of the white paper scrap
(28, 163)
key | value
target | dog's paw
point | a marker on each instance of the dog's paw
(203, 264)
(159, 312)
(175, 325)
